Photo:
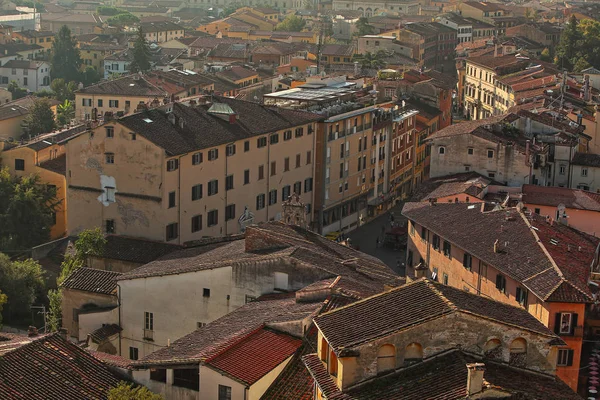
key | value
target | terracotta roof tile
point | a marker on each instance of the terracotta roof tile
(554, 196)
(131, 85)
(112, 359)
(53, 368)
(586, 159)
(410, 305)
(136, 250)
(92, 280)
(256, 355)
(104, 332)
(470, 182)
(57, 165)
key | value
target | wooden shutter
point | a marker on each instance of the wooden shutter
(570, 357)
(557, 323)
(573, 323)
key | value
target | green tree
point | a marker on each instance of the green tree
(291, 23)
(568, 45)
(141, 54)
(363, 27)
(63, 90)
(22, 282)
(581, 64)
(65, 59)
(90, 76)
(128, 391)
(590, 44)
(40, 118)
(108, 10)
(65, 112)
(17, 91)
(54, 317)
(545, 55)
(27, 210)
(3, 300)
(371, 60)
(123, 19)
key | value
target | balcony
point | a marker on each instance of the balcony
(149, 334)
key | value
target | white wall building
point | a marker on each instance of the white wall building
(31, 75)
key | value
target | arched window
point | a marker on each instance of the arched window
(518, 352)
(442, 150)
(493, 349)
(332, 364)
(413, 353)
(386, 358)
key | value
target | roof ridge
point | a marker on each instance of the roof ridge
(539, 242)
(235, 342)
(431, 285)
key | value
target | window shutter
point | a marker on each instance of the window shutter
(570, 357)
(557, 323)
(518, 295)
(465, 260)
(498, 281)
(573, 323)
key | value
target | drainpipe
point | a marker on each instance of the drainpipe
(119, 305)
(268, 177)
(179, 198)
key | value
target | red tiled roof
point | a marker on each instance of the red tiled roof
(92, 280)
(11, 341)
(53, 368)
(554, 196)
(256, 355)
(112, 359)
(319, 373)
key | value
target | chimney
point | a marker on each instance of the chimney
(181, 122)
(32, 331)
(496, 246)
(171, 119)
(475, 378)
(232, 118)
(420, 271)
(63, 333)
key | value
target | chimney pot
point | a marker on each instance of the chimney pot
(475, 378)
(32, 331)
(496, 246)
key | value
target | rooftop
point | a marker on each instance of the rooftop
(92, 280)
(135, 250)
(554, 196)
(131, 85)
(491, 62)
(414, 303)
(586, 159)
(34, 34)
(470, 183)
(480, 5)
(256, 355)
(52, 367)
(252, 119)
(444, 377)
(104, 332)
(57, 165)
(236, 73)
(160, 26)
(531, 250)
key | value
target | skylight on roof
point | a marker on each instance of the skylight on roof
(132, 84)
(47, 142)
(147, 120)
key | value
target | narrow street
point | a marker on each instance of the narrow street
(365, 239)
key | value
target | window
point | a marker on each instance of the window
(441, 150)
(565, 323)
(445, 278)
(518, 353)
(172, 231)
(299, 132)
(286, 165)
(188, 378)
(261, 172)
(132, 136)
(435, 242)
(308, 185)
(308, 157)
(273, 168)
(149, 321)
(110, 225)
(297, 160)
(287, 135)
(171, 199)
(25, 81)
(14, 71)
(423, 233)
(110, 132)
(562, 170)
(213, 187)
(196, 223)
(196, 158)
(100, 103)
(281, 280)
(247, 146)
(285, 192)
(229, 182)
(213, 154)
(224, 392)
(206, 292)
(272, 197)
(447, 249)
(261, 142)
(113, 103)
(229, 150)
(260, 201)
(196, 192)
(274, 138)
(521, 296)
(298, 188)
(213, 217)
(501, 283)
(20, 164)
(386, 358)
(470, 151)
(158, 374)
(172, 164)
(246, 177)
(134, 353)
(490, 153)
(109, 158)
(467, 261)
(584, 172)
(413, 353)
(110, 194)
(86, 102)
(565, 358)
(230, 212)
